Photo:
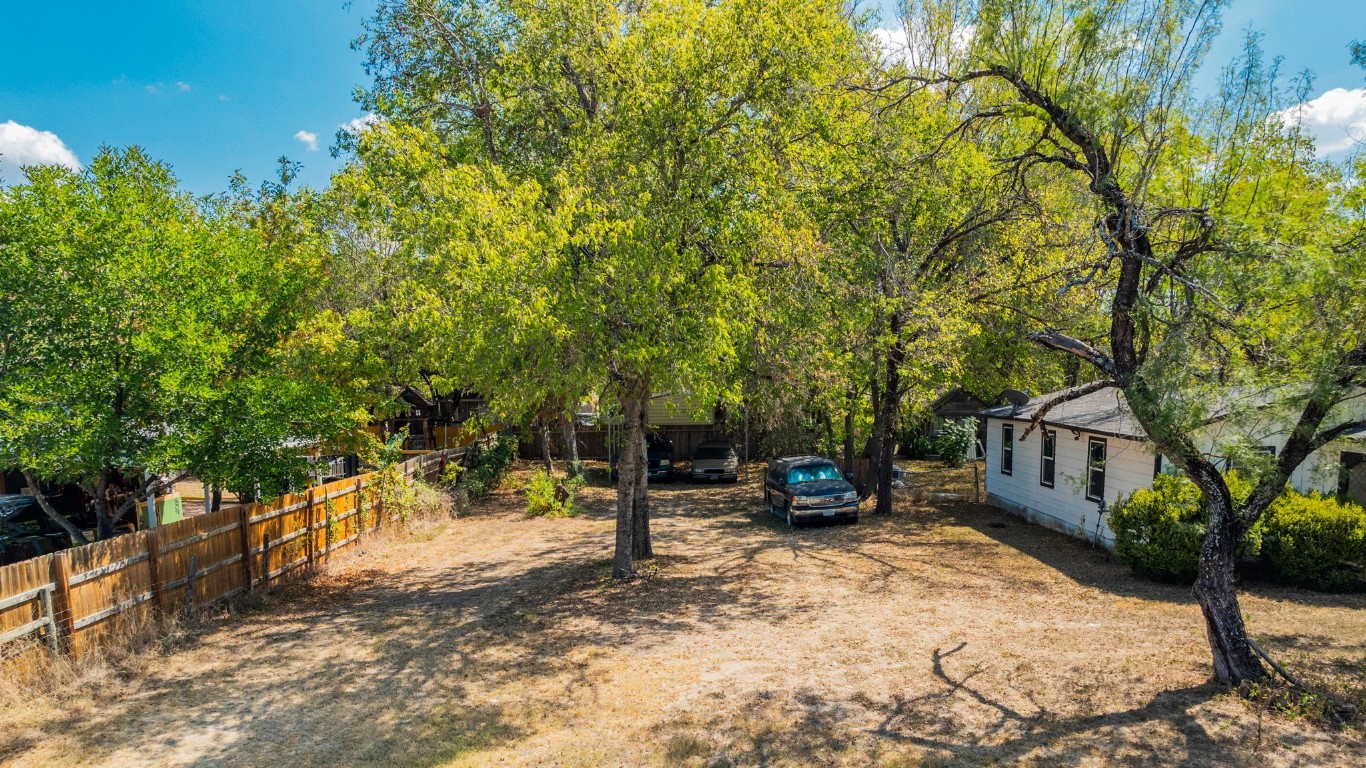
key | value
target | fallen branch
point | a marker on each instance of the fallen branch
(1282, 670)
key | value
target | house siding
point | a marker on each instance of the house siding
(1064, 507)
(1129, 467)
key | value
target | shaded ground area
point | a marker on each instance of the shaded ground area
(938, 635)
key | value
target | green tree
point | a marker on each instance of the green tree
(1215, 240)
(155, 335)
(590, 187)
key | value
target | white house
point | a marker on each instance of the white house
(1089, 452)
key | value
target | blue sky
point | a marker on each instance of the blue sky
(208, 86)
(211, 86)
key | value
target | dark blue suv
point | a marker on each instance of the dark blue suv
(803, 488)
(26, 531)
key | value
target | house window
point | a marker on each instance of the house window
(1050, 453)
(1239, 464)
(1095, 469)
(1157, 465)
(1007, 449)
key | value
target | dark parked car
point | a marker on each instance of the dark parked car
(26, 531)
(660, 451)
(714, 461)
(802, 488)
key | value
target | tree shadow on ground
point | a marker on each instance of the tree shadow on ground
(962, 722)
(425, 649)
(1096, 567)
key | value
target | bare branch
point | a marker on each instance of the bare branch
(57, 517)
(1066, 397)
(1061, 342)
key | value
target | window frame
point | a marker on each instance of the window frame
(1007, 449)
(1048, 458)
(1092, 469)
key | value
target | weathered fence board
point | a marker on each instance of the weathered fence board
(76, 599)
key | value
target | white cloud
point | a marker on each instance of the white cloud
(893, 43)
(182, 86)
(222, 97)
(1337, 119)
(21, 145)
(309, 139)
(153, 88)
(898, 47)
(360, 123)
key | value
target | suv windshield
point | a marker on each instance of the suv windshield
(812, 472)
(713, 452)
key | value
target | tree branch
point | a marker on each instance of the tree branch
(57, 517)
(1066, 397)
(1061, 342)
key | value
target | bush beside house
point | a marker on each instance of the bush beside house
(1317, 542)
(1310, 541)
(1159, 531)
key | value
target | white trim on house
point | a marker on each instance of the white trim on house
(1130, 461)
(1063, 506)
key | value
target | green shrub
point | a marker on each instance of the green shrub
(450, 476)
(1317, 542)
(918, 444)
(954, 440)
(487, 465)
(1159, 531)
(548, 497)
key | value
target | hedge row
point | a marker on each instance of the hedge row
(1311, 541)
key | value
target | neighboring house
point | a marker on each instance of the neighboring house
(1090, 452)
(956, 405)
(431, 422)
(680, 410)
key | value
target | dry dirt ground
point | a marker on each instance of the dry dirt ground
(947, 635)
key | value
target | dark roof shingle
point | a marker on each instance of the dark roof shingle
(1105, 412)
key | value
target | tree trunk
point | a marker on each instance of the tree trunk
(632, 535)
(58, 518)
(1235, 662)
(849, 435)
(891, 412)
(104, 512)
(545, 447)
(641, 548)
(872, 450)
(829, 432)
(571, 448)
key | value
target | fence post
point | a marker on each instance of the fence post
(265, 567)
(310, 542)
(379, 514)
(52, 632)
(189, 586)
(360, 513)
(154, 566)
(327, 529)
(244, 527)
(976, 483)
(61, 576)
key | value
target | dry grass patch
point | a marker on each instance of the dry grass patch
(943, 634)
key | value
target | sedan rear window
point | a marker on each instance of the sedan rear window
(813, 472)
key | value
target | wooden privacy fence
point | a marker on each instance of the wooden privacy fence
(71, 601)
